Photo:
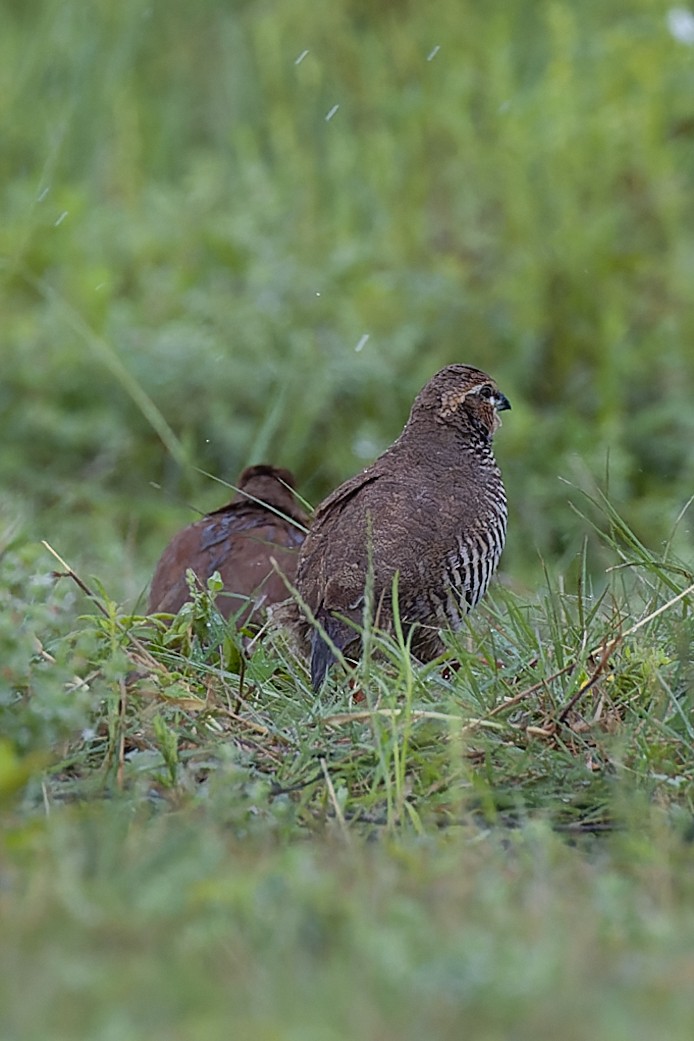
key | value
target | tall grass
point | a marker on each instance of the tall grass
(518, 198)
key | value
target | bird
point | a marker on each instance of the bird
(431, 510)
(262, 523)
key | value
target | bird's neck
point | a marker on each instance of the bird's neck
(468, 437)
(445, 447)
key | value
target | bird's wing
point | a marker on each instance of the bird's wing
(342, 495)
(238, 517)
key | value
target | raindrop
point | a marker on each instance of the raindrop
(331, 113)
(432, 54)
(298, 61)
(42, 194)
(317, 293)
(362, 343)
(60, 219)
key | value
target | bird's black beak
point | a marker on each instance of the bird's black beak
(501, 402)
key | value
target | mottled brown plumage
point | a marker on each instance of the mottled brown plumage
(261, 523)
(431, 509)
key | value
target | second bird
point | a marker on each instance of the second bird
(432, 509)
(262, 523)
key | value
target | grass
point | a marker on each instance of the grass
(555, 705)
(172, 927)
(193, 844)
(500, 842)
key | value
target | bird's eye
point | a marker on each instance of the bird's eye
(486, 392)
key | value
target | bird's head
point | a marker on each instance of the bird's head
(463, 397)
(268, 484)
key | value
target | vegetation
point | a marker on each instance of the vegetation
(206, 263)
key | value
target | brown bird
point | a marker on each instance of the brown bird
(261, 523)
(431, 510)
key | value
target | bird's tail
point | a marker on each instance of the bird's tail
(339, 635)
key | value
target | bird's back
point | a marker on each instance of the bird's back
(245, 541)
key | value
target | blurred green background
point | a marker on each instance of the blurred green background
(208, 207)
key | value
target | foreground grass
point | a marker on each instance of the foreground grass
(194, 844)
(122, 922)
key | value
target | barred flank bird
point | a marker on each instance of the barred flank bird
(431, 510)
(262, 523)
